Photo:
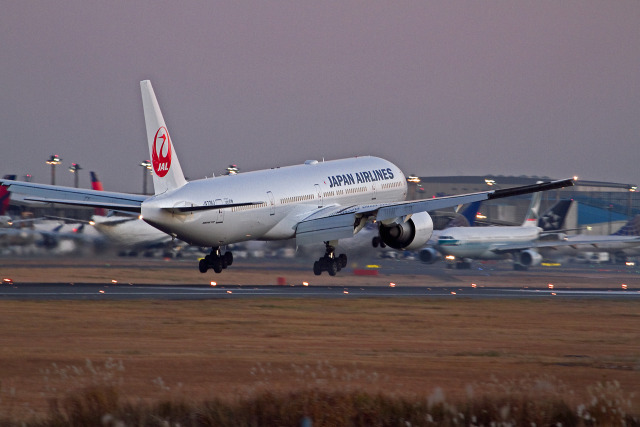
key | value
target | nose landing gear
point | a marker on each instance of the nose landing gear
(329, 262)
(216, 260)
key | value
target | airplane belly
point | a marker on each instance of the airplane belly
(235, 227)
(470, 250)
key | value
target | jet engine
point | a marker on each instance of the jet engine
(409, 235)
(529, 258)
(429, 255)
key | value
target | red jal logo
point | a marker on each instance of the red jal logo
(161, 155)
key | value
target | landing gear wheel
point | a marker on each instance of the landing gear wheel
(317, 268)
(228, 258)
(375, 241)
(329, 262)
(332, 267)
(215, 261)
(216, 264)
(342, 260)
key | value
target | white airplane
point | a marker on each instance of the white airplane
(463, 244)
(313, 202)
(524, 245)
(128, 231)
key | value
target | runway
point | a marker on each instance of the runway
(97, 292)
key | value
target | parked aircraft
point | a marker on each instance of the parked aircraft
(620, 245)
(314, 202)
(464, 244)
(129, 232)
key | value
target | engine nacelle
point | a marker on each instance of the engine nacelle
(429, 255)
(529, 258)
(409, 235)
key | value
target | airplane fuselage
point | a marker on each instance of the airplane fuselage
(479, 242)
(288, 195)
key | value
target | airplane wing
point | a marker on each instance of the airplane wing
(76, 196)
(596, 244)
(337, 222)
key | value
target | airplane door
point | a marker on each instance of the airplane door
(319, 193)
(220, 218)
(373, 190)
(272, 203)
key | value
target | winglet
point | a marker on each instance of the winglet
(167, 173)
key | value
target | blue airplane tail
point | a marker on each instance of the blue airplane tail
(467, 217)
(631, 228)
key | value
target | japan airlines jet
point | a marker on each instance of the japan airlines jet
(313, 202)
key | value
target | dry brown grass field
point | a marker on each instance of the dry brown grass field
(195, 350)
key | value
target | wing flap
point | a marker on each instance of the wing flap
(325, 229)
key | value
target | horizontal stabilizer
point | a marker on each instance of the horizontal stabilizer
(76, 196)
(89, 204)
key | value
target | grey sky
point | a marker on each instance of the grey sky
(438, 87)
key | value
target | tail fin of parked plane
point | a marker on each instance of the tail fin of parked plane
(531, 220)
(97, 185)
(167, 173)
(631, 228)
(5, 195)
(467, 217)
(553, 218)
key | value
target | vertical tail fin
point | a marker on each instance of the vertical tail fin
(631, 228)
(554, 217)
(531, 220)
(167, 173)
(5, 195)
(97, 185)
(467, 217)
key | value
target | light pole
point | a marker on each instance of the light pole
(491, 182)
(232, 170)
(146, 169)
(54, 161)
(413, 182)
(74, 169)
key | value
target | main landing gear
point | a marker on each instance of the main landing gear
(216, 260)
(329, 262)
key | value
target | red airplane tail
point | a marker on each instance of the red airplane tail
(5, 195)
(97, 185)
